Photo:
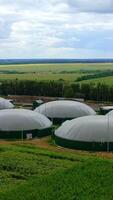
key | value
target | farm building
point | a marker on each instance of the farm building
(37, 103)
(62, 110)
(86, 133)
(22, 123)
(105, 109)
(5, 104)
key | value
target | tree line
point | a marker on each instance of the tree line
(88, 91)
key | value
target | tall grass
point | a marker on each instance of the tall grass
(31, 173)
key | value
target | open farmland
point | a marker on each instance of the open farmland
(104, 80)
(46, 72)
(40, 76)
(29, 172)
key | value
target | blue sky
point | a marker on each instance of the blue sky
(56, 29)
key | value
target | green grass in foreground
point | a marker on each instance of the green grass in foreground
(31, 173)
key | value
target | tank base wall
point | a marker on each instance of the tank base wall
(81, 145)
(10, 135)
(59, 120)
(42, 133)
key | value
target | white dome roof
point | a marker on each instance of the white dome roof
(110, 114)
(5, 104)
(87, 129)
(65, 109)
(22, 119)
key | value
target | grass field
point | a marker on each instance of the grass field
(46, 72)
(39, 76)
(28, 172)
(56, 68)
(105, 80)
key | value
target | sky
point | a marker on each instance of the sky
(56, 28)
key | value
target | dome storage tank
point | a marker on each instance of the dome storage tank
(62, 110)
(86, 133)
(17, 123)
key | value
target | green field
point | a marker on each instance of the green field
(28, 172)
(39, 77)
(105, 80)
(46, 72)
(56, 68)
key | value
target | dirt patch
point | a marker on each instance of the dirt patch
(46, 143)
(29, 99)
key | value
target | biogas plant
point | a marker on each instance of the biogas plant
(72, 124)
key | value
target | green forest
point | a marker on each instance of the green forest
(97, 92)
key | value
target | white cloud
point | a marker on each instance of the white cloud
(41, 28)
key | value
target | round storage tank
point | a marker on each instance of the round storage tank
(86, 133)
(63, 109)
(16, 123)
(5, 104)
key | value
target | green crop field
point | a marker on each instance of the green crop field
(105, 80)
(46, 72)
(28, 172)
(56, 68)
(39, 76)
